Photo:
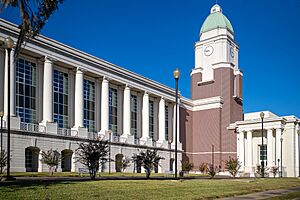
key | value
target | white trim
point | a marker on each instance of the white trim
(208, 103)
(196, 71)
(223, 65)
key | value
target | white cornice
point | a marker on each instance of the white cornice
(202, 104)
(223, 65)
(196, 71)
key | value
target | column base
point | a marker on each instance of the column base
(149, 142)
(130, 139)
(50, 127)
(123, 139)
(81, 132)
(15, 122)
(143, 141)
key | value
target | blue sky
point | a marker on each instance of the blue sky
(154, 37)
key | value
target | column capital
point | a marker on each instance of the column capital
(127, 86)
(80, 70)
(146, 92)
(105, 79)
(49, 59)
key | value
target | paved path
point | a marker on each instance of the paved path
(264, 195)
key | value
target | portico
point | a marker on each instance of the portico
(278, 133)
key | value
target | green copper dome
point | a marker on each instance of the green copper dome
(216, 19)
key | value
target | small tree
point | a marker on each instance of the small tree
(233, 165)
(50, 158)
(187, 166)
(92, 154)
(274, 170)
(203, 167)
(125, 163)
(3, 160)
(259, 170)
(148, 159)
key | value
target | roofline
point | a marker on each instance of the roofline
(13, 30)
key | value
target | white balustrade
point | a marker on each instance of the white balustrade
(32, 127)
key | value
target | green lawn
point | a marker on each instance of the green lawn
(75, 174)
(141, 189)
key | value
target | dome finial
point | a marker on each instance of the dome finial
(215, 8)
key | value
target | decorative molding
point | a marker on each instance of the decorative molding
(201, 83)
(196, 71)
(223, 65)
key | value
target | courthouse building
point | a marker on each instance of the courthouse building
(61, 96)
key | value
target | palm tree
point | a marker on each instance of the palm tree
(50, 158)
(148, 159)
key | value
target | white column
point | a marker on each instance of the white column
(297, 132)
(270, 148)
(278, 136)
(5, 82)
(2, 73)
(48, 91)
(105, 105)
(12, 84)
(126, 112)
(73, 163)
(40, 166)
(242, 150)
(145, 117)
(250, 150)
(161, 122)
(79, 104)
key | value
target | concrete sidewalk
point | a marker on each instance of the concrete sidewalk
(264, 195)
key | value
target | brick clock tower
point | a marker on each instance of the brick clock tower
(216, 93)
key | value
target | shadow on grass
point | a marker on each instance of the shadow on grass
(32, 184)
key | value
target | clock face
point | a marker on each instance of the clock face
(232, 52)
(208, 50)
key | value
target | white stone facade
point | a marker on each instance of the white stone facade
(280, 136)
(61, 127)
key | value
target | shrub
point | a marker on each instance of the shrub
(187, 166)
(259, 171)
(3, 160)
(232, 165)
(213, 170)
(203, 167)
(274, 170)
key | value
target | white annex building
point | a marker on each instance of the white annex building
(61, 96)
(280, 146)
